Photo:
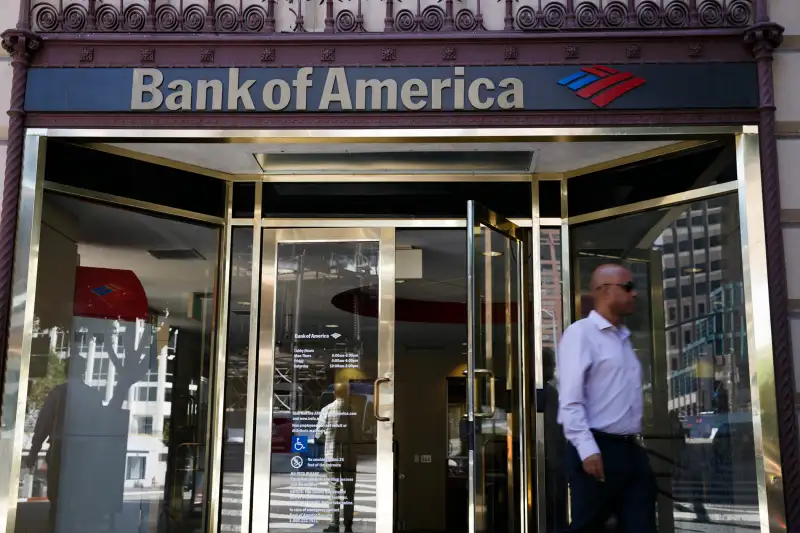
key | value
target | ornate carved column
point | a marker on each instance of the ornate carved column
(763, 38)
(21, 44)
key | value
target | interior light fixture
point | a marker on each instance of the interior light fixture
(399, 281)
(492, 254)
(331, 326)
(695, 270)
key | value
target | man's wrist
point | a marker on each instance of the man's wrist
(587, 449)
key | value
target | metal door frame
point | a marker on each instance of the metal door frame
(478, 216)
(262, 470)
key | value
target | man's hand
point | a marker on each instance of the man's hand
(30, 460)
(593, 465)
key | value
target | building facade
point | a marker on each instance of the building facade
(273, 266)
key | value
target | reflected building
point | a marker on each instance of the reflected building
(704, 312)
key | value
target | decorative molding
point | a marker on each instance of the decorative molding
(449, 53)
(571, 51)
(696, 50)
(87, 54)
(389, 54)
(328, 54)
(268, 55)
(126, 16)
(634, 51)
(246, 51)
(510, 52)
(207, 55)
(148, 54)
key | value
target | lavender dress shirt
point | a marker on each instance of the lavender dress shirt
(600, 383)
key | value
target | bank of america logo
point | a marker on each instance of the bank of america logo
(336, 335)
(602, 84)
(104, 290)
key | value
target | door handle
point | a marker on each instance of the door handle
(492, 406)
(376, 402)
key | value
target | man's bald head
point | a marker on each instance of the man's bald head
(608, 274)
(340, 390)
(613, 292)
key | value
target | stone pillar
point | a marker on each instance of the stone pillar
(763, 38)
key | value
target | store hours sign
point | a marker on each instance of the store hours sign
(310, 89)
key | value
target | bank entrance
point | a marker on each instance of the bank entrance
(418, 335)
(363, 335)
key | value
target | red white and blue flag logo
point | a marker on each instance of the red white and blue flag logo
(601, 85)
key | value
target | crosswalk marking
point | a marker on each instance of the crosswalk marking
(734, 517)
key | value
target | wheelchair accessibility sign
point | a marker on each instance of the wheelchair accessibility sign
(299, 444)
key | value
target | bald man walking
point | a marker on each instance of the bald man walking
(600, 409)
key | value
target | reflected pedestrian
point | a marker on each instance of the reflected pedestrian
(600, 409)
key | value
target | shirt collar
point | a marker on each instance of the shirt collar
(602, 324)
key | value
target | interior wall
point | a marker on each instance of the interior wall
(420, 429)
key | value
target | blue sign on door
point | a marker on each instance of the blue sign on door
(300, 444)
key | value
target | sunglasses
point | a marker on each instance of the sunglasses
(627, 287)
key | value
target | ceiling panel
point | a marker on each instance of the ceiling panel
(242, 158)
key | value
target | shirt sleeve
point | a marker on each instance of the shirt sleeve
(573, 363)
(321, 423)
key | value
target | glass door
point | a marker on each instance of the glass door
(323, 441)
(499, 484)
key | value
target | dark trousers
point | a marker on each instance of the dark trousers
(342, 484)
(628, 492)
(53, 460)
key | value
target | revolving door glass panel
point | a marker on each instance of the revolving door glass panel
(690, 333)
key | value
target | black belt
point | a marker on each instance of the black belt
(615, 436)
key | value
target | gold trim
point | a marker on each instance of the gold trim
(130, 202)
(162, 161)
(214, 430)
(407, 177)
(635, 158)
(538, 446)
(408, 222)
(252, 361)
(772, 511)
(21, 324)
(398, 135)
(655, 203)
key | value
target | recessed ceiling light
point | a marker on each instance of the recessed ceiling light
(331, 326)
(492, 254)
(400, 281)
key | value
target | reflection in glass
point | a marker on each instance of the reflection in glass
(236, 394)
(116, 413)
(431, 440)
(497, 388)
(690, 334)
(326, 359)
(551, 326)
